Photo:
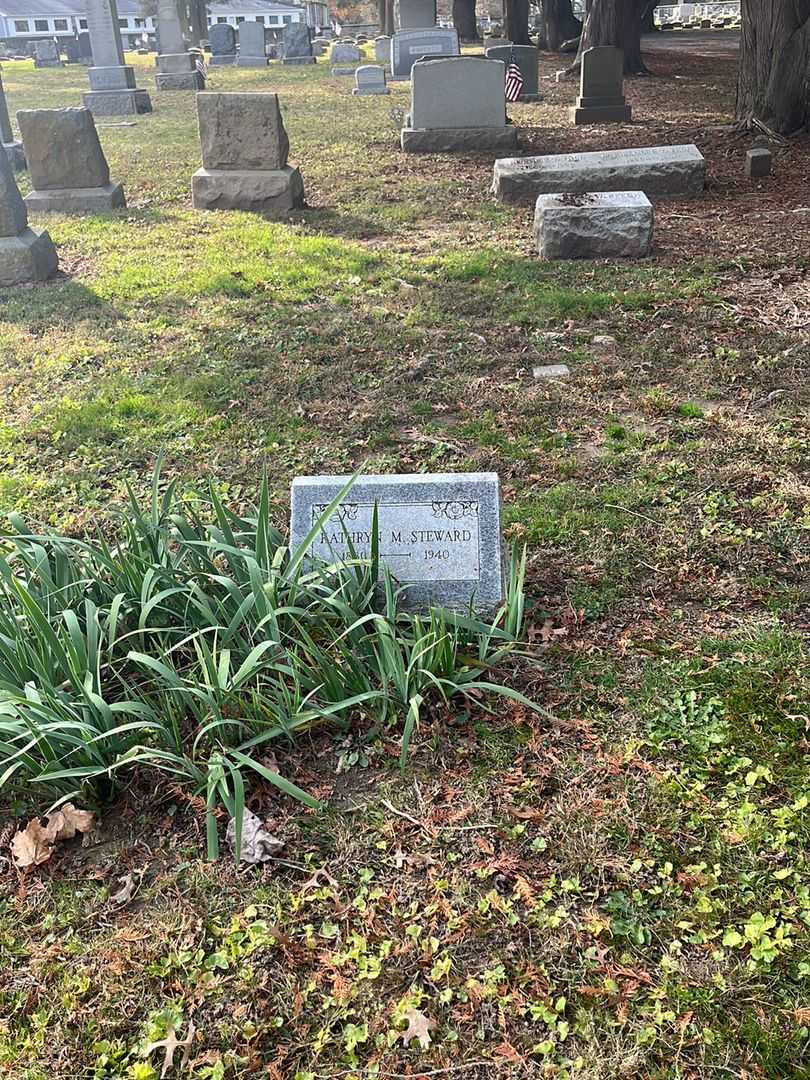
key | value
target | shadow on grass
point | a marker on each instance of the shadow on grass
(60, 301)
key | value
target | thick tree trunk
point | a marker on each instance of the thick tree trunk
(464, 20)
(560, 22)
(773, 84)
(387, 26)
(616, 22)
(516, 21)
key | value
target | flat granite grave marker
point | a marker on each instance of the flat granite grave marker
(69, 172)
(593, 225)
(297, 44)
(369, 79)
(408, 46)
(439, 533)
(222, 39)
(13, 147)
(525, 56)
(252, 49)
(244, 154)
(25, 254)
(601, 89)
(658, 171)
(112, 82)
(457, 103)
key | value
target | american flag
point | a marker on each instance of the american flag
(514, 80)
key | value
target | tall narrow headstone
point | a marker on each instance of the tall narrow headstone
(601, 91)
(69, 172)
(13, 147)
(176, 66)
(244, 154)
(25, 254)
(297, 43)
(252, 49)
(112, 82)
(222, 39)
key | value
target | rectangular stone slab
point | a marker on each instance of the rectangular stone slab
(658, 171)
(84, 200)
(62, 148)
(271, 191)
(594, 225)
(407, 46)
(459, 92)
(241, 131)
(439, 533)
(117, 102)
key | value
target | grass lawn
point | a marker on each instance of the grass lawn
(621, 891)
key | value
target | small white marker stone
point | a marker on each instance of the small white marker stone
(551, 371)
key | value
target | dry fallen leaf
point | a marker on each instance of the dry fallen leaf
(70, 821)
(258, 845)
(33, 845)
(169, 1045)
(127, 891)
(419, 1027)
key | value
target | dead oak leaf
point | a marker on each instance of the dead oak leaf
(419, 1027)
(69, 821)
(33, 845)
(169, 1045)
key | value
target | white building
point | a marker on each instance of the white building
(24, 21)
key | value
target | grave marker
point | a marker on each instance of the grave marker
(46, 54)
(369, 79)
(252, 50)
(656, 170)
(439, 534)
(69, 172)
(13, 147)
(594, 225)
(222, 39)
(412, 14)
(525, 56)
(176, 66)
(408, 46)
(601, 90)
(297, 44)
(112, 82)
(25, 254)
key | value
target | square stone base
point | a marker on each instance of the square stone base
(526, 99)
(593, 225)
(365, 91)
(28, 257)
(187, 80)
(610, 114)
(251, 61)
(115, 77)
(443, 140)
(48, 63)
(117, 102)
(92, 200)
(16, 155)
(262, 191)
(222, 60)
(298, 60)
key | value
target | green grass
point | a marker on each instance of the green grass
(617, 891)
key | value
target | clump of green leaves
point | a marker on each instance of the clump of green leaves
(195, 638)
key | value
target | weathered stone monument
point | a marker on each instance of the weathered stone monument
(601, 88)
(252, 48)
(457, 103)
(658, 171)
(222, 39)
(297, 42)
(594, 225)
(439, 534)
(343, 57)
(13, 147)
(244, 155)
(46, 54)
(25, 254)
(85, 48)
(176, 66)
(758, 162)
(112, 82)
(525, 56)
(69, 172)
(411, 14)
(382, 49)
(408, 46)
(369, 79)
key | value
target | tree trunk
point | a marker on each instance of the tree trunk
(516, 21)
(616, 22)
(648, 18)
(560, 23)
(464, 20)
(387, 26)
(773, 84)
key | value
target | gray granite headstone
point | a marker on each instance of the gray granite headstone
(439, 534)
(382, 49)
(112, 82)
(25, 254)
(408, 46)
(170, 29)
(222, 39)
(46, 54)
(13, 147)
(658, 171)
(411, 14)
(525, 56)
(369, 79)
(252, 51)
(297, 44)
(601, 93)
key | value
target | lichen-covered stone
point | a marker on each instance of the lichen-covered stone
(596, 225)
